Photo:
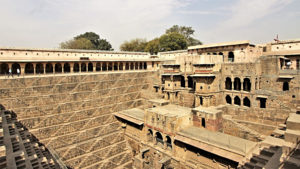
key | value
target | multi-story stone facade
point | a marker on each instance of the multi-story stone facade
(224, 105)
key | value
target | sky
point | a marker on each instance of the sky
(47, 23)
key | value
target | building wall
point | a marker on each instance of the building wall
(65, 110)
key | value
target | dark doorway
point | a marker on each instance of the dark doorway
(285, 86)
(29, 68)
(83, 67)
(190, 82)
(15, 67)
(76, 67)
(228, 99)
(58, 68)
(203, 122)
(237, 83)
(230, 57)
(49, 68)
(67, 68)
(104, 67)
(4, 68)
(120, 66)
(182, 81)
(263, 102)
(39, 68)
(90, 67)
(228, 83)
(237, 100)
(98, 67)
(247, 84)
(201, 100)
(247, 102)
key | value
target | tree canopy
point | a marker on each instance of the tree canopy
(187, 32)
(175, 38)
(172, 41)
(88, 40)
(134, 45)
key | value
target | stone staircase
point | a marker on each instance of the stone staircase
(73, 114)
(244, 128)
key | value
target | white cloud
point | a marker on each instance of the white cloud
(45, 23)
(244, 12)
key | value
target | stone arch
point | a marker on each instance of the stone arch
(98, 67)
(67, 68)
(247, 84)
(131, 66)
(15, 67)
(203, 123)
(83, 67)
(76, 67)
(49, 68)
(237, 100)
(150, 135)
(127, 67)
(247, 102)
(110, 66)
(104, 67)
(159, 139)
(228, 99)
(121, 66)
(285, 86)
(4, 68)
(237, 83)
(115, 66)
(169, 142)
(39, 68)
(228, 83)
(29, 68)
(141, 66)
(230, 56)
(58, 68)
(90, 67)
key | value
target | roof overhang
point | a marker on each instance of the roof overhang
(128, 118)
(203, 75)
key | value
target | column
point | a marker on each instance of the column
(165, 143)
(34, 68)
(22, 65)
(71, 67)
(124, 66)
(62, 68)
(242, 84)
(10, 67)
(118, 63)
(44, 67)
(94, 66)
(186, 80)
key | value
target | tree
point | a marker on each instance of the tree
(80, 43)
(187, 32)
(96, 43)
(172, 41)
(153, 46)
(134, 45)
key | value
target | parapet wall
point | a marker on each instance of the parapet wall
(73, 113)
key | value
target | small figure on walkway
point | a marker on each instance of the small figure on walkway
(10, 73)
(18, 72)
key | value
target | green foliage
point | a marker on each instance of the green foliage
(134, 45)
(88, 40)
(187, 32)
(80, 43)
(172, 41)
(153, 46)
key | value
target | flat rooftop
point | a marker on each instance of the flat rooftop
(171, 110)
(216, 142)
(294, 118)
(246, 42)
(159, 101)
(134, 115)
(208, 110)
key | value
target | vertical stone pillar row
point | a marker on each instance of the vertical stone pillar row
(34, 68)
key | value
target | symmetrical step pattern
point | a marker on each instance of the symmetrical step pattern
(73, 114)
